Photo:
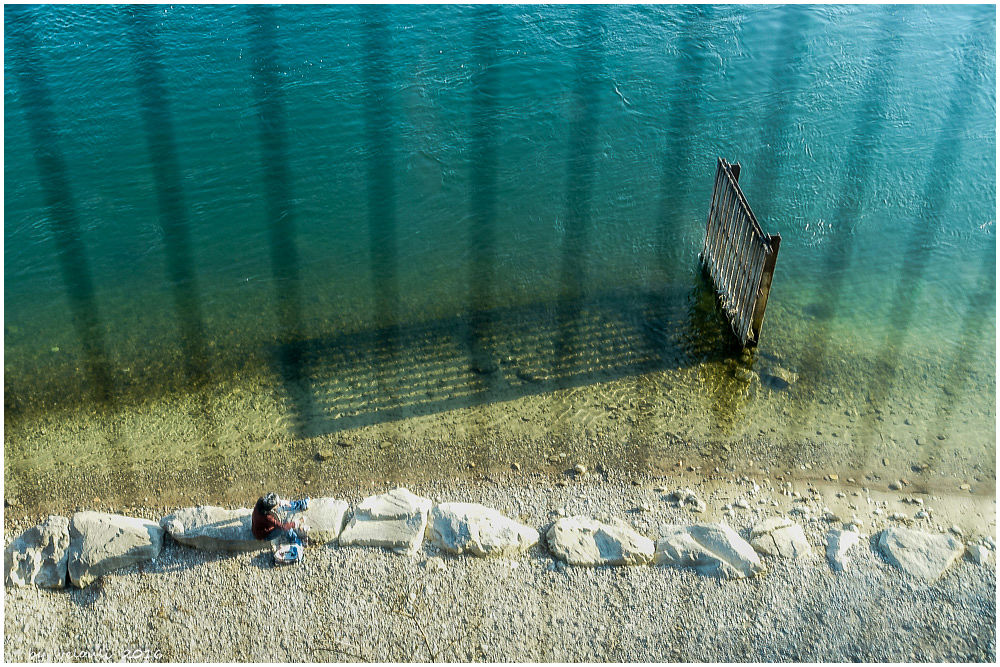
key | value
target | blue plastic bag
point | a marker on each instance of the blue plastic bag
(287, 554)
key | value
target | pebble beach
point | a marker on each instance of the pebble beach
(369, 604)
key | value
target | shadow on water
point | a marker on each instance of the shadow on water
(170, 199)
(65, 224)
(778, 119)
(923, 239)
(581, 170)
(859, 172)
(971, 345)
(280, 213)
(63, 214)
(677, 172)
(159, 126)
(355, 380)
(681, 120)
(483, 178)
(377, 74)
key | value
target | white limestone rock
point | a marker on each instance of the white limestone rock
(100, 543)
(778, 536)
(39, 556)
(580, 540)
(392, 505)
(838, 543)
(395, 520)
(712, 549)
(979, 554)
(920, 554)
(478, 530)
(324, 520)
(213, 528)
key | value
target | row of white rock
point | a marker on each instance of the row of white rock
(91, 544)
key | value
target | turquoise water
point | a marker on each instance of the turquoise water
(188, 187)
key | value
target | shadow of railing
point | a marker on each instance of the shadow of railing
(582, 169)
(64, 216)
(861, 170)
(356, 379)
(158, 123)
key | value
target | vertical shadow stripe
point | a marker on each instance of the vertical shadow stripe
(381, 185)
(582, 168)
(483, 190)
(64, 219)
(859, 165)
(159, 127)
(279, 208)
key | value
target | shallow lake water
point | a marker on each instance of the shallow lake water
(436, 237)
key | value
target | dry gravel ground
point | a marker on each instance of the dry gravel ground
(343, 604)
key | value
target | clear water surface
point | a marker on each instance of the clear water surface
(384, 213)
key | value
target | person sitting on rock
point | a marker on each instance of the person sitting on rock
(265, 523)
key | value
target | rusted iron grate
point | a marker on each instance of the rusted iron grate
(738, 255)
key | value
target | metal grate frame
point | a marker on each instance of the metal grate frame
(738, 256)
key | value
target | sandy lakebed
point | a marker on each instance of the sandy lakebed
(368, 604)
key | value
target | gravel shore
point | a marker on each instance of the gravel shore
(344, 604)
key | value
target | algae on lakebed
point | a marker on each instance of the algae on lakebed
(738, 411)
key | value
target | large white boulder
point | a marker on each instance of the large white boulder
(324, 520)
(712, 549)
(38, 557)
(838, 543)
(100, 543)
(213, 528)
(580, 540)
(780, 537)
(395, 520)
(920, 554)
(478, 530)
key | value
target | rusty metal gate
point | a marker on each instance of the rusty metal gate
(738, 256)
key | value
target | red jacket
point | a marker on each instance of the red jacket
(262, 523)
